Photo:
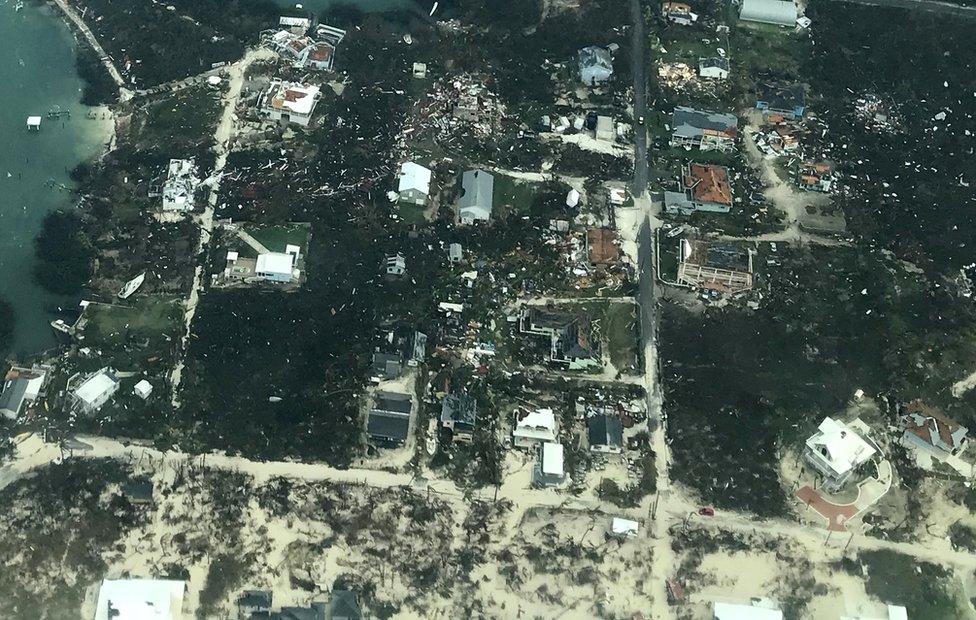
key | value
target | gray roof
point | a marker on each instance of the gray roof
(344, 606)
(384, 425)
(392, 402)
(595, 63)
(719, 63)
(605, 430)
(780, 97)
(478, 188)
(315, 611)
(780, 12)
(459, 408)
(689, 122)
(12, 396)
(387, 365)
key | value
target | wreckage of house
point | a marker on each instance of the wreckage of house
(678, 13)
(180, 186)
(722, 267)
(816, 176)
(707, 131)
(928, 427)
(595, 65)
(705, 187)
(573, 341)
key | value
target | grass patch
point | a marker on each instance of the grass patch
(186, 116)
(276, 237)
(412, 214)
(926, 590)
(513, 195)
(128, 336)
(621, 331)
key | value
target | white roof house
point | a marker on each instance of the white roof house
(836, 450)
(140, 599)
(181, 183)
(477, 196)
(552, 459)
(735, 611)
(276, 266)
(595, 64)
(290, 102)
(624, 527)
(894, 612)
(96, 390)
(536, 427)
(779, 12)
(143, 389)
(414, 183)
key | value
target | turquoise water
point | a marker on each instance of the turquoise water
(37, 71)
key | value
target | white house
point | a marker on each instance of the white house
(595, 65)
(140, 599)
(624, 527)
(778, 12)
(604, 129)
(534, 428)
(276, 267)
(21, 386)
(181, 183)
(752, 611)
(836, 450)
(96, 390)
(396, 265)
(714, 68)
(414, 184)
(143, 389)
(290, 102)
(477, 196)
(549, 471)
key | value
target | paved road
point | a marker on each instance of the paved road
(640, 97)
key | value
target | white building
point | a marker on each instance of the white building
(550, 470)
(414, 183)
(778, 12)
(181, 184)
(595, 65)
(837, 450)
(21, 386)
(143, 389)
(396, 265)
(536, 427)
(714, 68)
(140, 599)
(758, 610)
(96, 390)
(604, 128)
(477, 197)
(290, 102)
(624, 527)
(276, 267)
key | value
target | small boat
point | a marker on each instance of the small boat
(19, 6)
(132, 286)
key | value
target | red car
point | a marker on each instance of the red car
(706, 511)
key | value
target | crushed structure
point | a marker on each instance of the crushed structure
(180, 186)
(573, 344)
(722, 267)
(678, 13)
(703, 130)
(930, 428)
(290, 102)
(595, 65)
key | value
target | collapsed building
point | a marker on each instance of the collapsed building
(724, 267)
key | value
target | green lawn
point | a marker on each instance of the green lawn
(276, 236)
(513, 195)
(621, 332)
(411, 213)
(182, 116)
(128, 335)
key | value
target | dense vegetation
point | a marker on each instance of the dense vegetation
(64, 254)
(834, 321)
(913, 189)
(99, 88)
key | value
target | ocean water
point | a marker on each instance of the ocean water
(37, 73)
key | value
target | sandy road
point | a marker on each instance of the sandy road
(223, 135)
(106, 60)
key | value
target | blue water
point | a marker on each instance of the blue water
(37, 71)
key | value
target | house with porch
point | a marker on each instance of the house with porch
(837, 450)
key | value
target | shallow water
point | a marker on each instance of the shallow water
(37, 71)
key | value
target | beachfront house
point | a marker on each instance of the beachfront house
(477, 195)
(21, 386)
(414, 183)
(289, 102)
(836, 451)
